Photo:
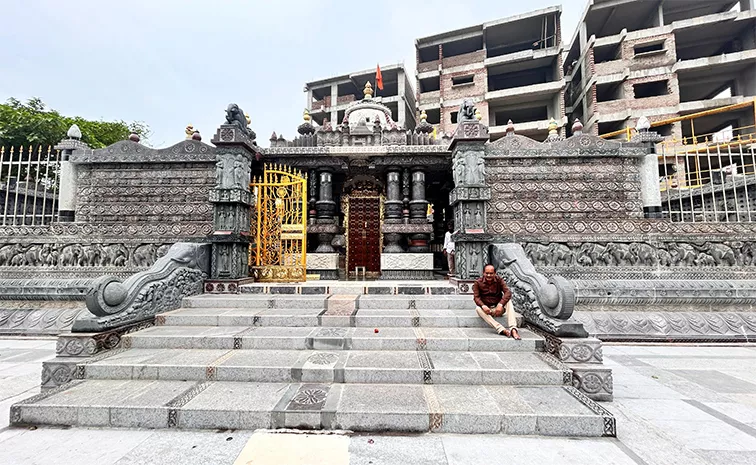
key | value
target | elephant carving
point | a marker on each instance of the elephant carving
(7, 252)
(619, 254)
(559, 254)
(91, 256)
(645, 254)
(537, 253)
(596, 254)
(32, 255)
(19, 257)
(114, 255)
(71, 255)
(704, 259)
(720, 253)
(145, 255)
(683, 254)
(163, 249)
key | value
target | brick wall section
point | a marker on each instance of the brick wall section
(476, 89)
(427, 66)
(464, 59)
(632, 103)
(345, 99)
(429, 97)
(667, 58)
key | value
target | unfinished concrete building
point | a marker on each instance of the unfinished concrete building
(328, 99)
(511, 68)
(661, 59)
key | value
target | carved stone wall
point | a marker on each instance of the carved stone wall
(575, 207)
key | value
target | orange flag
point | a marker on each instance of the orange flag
(378, 78)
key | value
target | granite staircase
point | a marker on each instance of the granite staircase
(362, 362)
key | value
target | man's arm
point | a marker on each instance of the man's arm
(506, 294)
(476, 295)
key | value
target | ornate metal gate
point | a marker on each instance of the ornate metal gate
(279, 226)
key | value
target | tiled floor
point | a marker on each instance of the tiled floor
(674, 405)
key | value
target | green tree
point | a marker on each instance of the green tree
(32, 123)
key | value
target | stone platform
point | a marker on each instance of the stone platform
(317, 362)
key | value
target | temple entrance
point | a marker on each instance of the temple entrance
(362, 207)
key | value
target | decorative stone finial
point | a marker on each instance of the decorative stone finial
(424, 126)
(196, 136)
(510, 128)
(553, 126)
(577, 127)
(134, 137)
(189, 131)
(478, 115)
(74, 132)
(643, 124)
(306, 115)
(273, 136)
(368, 91)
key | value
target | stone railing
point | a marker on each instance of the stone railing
(113, 303)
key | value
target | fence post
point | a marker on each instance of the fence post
(68, 175)
(650, 193)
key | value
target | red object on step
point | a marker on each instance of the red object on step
(376, 330)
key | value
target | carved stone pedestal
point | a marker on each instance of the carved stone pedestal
(406, 266)
(231, 201)
(75, 350)
(324, 264)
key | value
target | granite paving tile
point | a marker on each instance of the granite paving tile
(468, 409)
(727, 457)
(233, 405)
(717, 381)
(187, 448)
(709, 435)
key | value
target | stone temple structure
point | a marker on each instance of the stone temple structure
(164, 328)
(372, 184)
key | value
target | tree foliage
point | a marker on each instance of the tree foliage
(32, 123)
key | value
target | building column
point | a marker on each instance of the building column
(308, 104)
(393, 212)
(325, 209)
(334, 102)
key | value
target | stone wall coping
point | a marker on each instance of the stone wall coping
(127, 151)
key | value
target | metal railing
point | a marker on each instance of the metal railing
(29, 185)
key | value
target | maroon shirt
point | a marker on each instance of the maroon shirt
(491, 294)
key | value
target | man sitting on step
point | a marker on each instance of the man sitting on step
(492, 297)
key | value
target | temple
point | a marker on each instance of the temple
(378, 195)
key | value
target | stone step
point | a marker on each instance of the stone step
(384, 287)
(285, 366)
(373, 318)
(429, 302)
(515, 410)
(337, 338)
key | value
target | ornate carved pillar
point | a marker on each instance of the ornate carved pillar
(406, 194)
(325, 208)
(231, 201)
(469, 195)
(313, 195)
(393, 212)
(418, 206)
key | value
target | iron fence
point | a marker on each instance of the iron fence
(29, 185)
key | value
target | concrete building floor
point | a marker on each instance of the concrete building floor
(675, 404)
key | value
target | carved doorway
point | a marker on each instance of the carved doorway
(363, 215)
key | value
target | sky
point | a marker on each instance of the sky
(171, 63)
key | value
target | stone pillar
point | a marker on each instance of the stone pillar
(393, 212)
(418, 207)
(68, 174)
(405, 194)
(468, 198)
(231, 201)
(325, 210)
(312, 196)
(650, 192)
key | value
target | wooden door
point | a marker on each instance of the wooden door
(364, 247)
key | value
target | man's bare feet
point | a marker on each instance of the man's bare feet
(503, 332)
(515, 334)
